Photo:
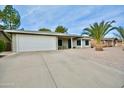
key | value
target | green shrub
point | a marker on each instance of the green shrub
(2, 45)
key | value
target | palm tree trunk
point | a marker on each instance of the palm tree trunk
(99, 46)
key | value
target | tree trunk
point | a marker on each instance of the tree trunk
(99, 47)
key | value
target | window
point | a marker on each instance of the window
(78, 42)
(86, 42)
(59, 42)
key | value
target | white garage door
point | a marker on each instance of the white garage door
(34, 43)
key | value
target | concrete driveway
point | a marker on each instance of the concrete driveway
(65, 68)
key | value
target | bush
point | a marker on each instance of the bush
(2, 45)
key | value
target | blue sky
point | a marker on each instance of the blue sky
(75, 18)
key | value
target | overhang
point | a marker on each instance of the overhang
(44, 33)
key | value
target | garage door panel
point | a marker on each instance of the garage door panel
(35, 43)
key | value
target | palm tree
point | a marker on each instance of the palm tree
(120, 34)
(97, 31)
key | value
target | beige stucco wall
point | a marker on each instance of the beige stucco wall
(75, 43)
(82, 43)
(65, 43)
(23, 42)
(14, 43)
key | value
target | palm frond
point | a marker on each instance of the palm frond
(120, 31)
(117, 35)
(99, 30)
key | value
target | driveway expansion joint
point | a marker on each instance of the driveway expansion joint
(49, 72)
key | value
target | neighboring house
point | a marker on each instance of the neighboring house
(111, 42)
(42, 41)
(108, 42)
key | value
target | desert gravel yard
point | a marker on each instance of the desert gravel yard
(64, 69)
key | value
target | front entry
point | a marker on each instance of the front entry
(86, 42)
(69, 43)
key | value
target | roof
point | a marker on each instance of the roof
(110, 39)
(44, 33)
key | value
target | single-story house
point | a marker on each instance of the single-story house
(111, 42)
(23, 41)
(108, 42)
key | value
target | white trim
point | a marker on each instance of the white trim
(71, 43)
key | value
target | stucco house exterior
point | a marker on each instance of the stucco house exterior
(111, 42)
(108, 42)
(23, 41)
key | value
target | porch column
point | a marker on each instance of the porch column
(71, 42)
(112, 43)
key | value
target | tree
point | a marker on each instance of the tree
(1, 17)
(97, 31)
(61, 29)
(45, 29)
(10, 18)
(120, 34)
(2, 45)
(1, 14)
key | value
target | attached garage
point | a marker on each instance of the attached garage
(32, 41)
(25, 42)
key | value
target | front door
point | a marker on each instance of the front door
(86, 42)
(69, 43)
